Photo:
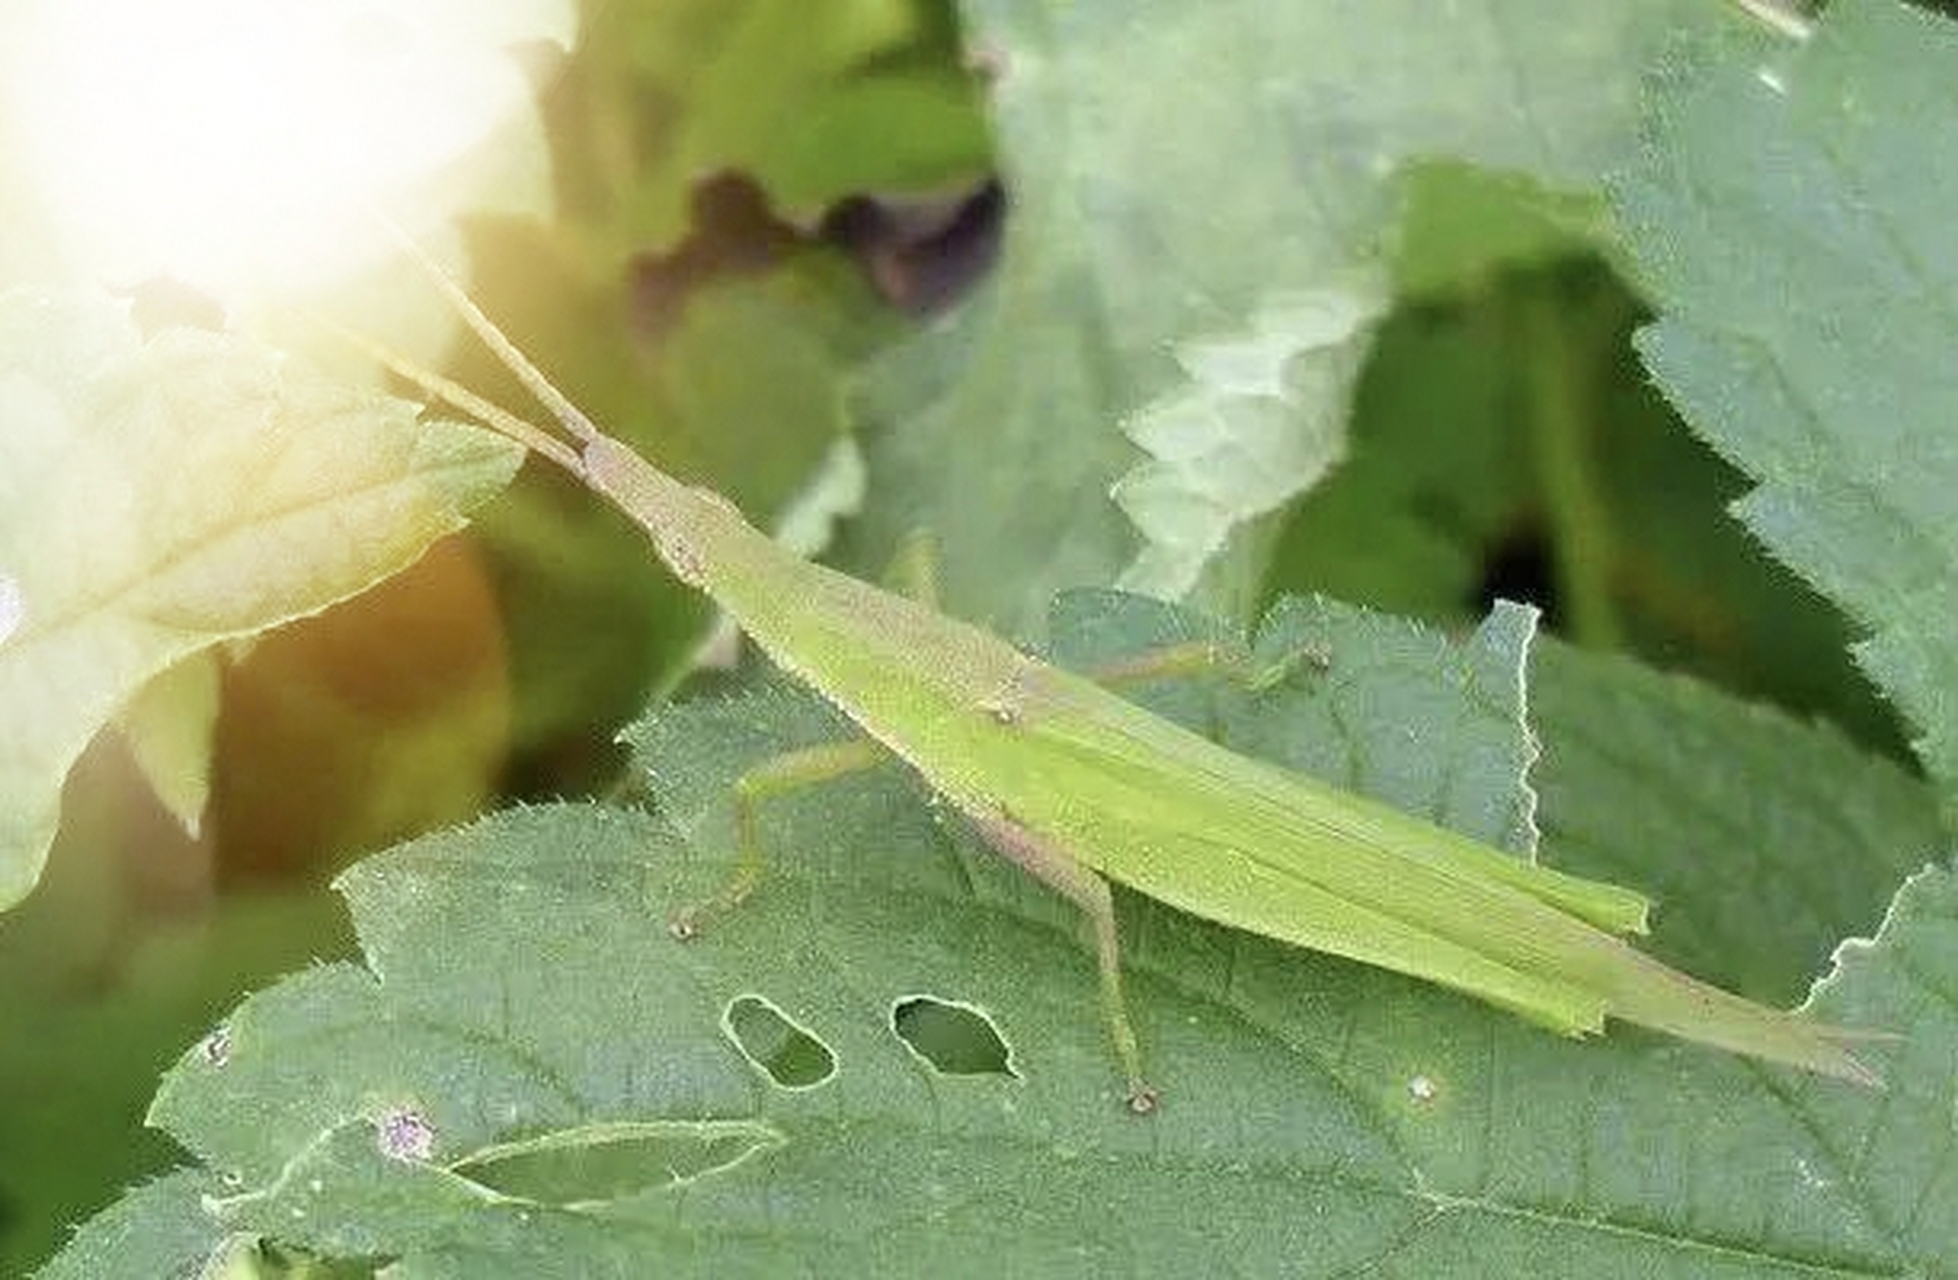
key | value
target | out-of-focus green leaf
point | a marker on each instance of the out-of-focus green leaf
(1507, 441)
(729, 372)
(157, 497)
(87, 1048)
(1794, 213)
(1462, 224)
(814, 102)
(115, 962)
(1160, 213)
(524, 1015)
(716, 343)
(383, 717)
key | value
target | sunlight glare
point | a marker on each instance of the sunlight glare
(238, 143)
(13, 608)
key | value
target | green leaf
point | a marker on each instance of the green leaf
(1464, 224)
(1508, 439)
(1710, 805)
(526, 1037)
(1798, 236)
(157, 1229)
(1259, 419)
(158, 497)
(661, 98)
(100, 1002)
(714, 340)
(1160, 216)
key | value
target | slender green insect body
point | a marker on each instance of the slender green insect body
(1077, 784)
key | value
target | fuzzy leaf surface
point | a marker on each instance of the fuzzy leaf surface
(1194, 263)
(522, 1004)
(1793, 213)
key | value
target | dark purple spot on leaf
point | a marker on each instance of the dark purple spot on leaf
(404, 1134)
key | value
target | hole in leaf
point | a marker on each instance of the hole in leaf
(263, 1259)
(1521, 567)
(595, 1164)
(792, 1057)
(216, 1047)
(956, 1039)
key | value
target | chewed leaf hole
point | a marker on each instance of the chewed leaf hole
(596, 1164)
(791, 1056)
(956, 1039)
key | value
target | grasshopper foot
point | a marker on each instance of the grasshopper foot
(685, 924)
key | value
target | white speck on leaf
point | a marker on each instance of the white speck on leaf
(1422, 1089)
(404, 1134)
(1772, 78)
(217, 1047)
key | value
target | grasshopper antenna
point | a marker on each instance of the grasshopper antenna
(569, 415)
(488, 412)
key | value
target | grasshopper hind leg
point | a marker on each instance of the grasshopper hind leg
(1051, 865)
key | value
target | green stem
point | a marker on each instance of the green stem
(1559, 428)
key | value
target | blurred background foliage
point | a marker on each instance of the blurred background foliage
(753, 201)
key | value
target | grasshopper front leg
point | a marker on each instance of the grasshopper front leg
(828, 761)
(790, 771)
(914, 571)
(1200, 657)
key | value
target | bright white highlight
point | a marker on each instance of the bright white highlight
(13, 607)
(239, 142)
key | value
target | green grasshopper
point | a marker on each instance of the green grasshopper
(1079, 787)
